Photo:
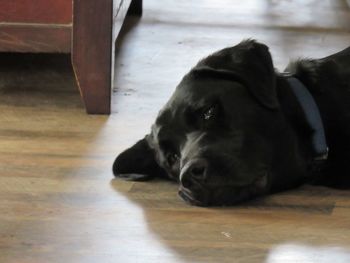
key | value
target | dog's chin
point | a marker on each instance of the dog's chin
(229, 196)
(190, 198)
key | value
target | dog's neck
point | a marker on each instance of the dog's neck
(303, 114)
(311, 116)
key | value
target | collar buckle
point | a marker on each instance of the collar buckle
(322, 157)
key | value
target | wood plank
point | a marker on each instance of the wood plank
(35, 38)
(36, 11)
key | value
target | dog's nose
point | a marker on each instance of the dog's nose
(195, 170)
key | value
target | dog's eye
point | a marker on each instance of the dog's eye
(210, 113)
(172, 158)
(169, 151)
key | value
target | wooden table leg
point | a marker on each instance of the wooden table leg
(96, 25)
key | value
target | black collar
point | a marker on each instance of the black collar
(312, 116)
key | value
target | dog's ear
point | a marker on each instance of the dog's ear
(137, 163)
(249, 62)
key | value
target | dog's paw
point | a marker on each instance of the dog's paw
(137, 163)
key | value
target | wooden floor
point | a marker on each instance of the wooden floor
(58, 199)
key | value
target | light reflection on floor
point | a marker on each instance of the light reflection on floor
(307, 254)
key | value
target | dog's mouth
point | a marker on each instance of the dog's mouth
(225, 196)
(189, 197)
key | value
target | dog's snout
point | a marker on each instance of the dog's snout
(194, 170)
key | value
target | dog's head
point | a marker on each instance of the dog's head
(220, 134)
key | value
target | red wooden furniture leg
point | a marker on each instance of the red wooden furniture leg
(96, 25)
(92, 52)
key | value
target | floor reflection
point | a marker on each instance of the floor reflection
(307, 254)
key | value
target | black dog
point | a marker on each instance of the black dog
(235, 128)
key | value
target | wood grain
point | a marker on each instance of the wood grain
(34, 38)
(58, 199)
(36, 11)
(39, 26)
